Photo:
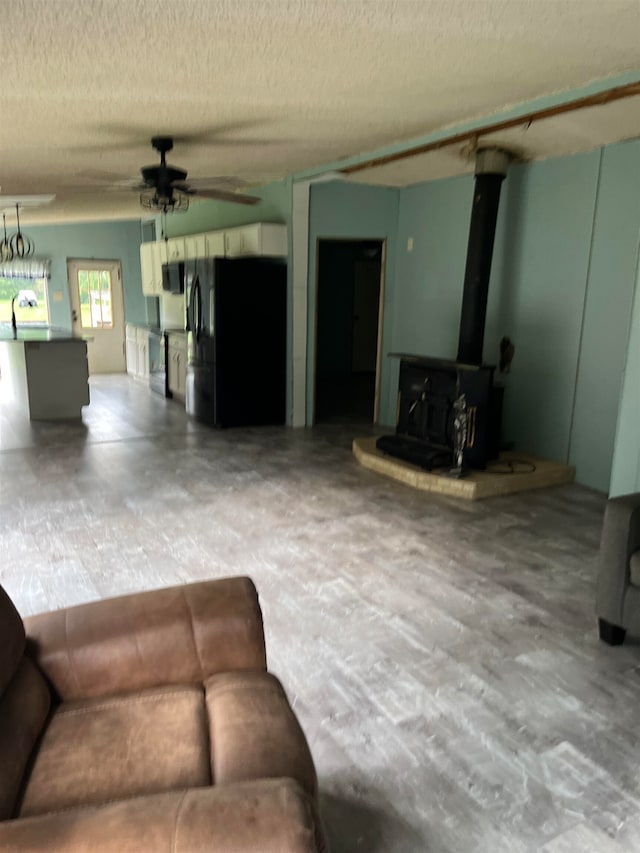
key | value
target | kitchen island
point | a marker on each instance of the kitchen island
(44, 373)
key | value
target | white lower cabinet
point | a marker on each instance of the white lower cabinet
(143, 354)
(137, 351)
(131, 349)
(177, 365)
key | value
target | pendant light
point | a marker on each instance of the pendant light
(21, 245)
(6, 252)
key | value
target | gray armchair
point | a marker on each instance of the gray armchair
(618, 587)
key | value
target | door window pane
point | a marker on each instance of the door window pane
(94, 290)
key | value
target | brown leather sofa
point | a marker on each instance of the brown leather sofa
(149, 723)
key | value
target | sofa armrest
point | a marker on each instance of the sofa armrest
(270, 816)
(177, 635)
(620, 538)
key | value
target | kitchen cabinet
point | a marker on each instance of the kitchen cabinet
(131, 349)
(175, 249)
(262, 239)
(137, 351)
(151, 269)
(214, 244)
(195, 246)
(207, 245)
(177, 364)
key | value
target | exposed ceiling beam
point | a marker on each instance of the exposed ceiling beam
(629, 90)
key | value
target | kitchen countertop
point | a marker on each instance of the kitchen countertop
(159, 330)
(40, 334)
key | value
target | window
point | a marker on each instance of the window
(31, 303)
(94, 288)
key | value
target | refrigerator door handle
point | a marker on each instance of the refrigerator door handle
(196, 308)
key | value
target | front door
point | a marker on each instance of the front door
(97, 312)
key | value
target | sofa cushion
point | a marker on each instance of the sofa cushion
(12, 640)
(269, 816)
(254, 732)
(24, 706)
(179, 635)
(634, 568)
(105, 749)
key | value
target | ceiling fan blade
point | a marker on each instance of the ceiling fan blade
(223, 195)
(123, 137)
(101, 176)
(226, 182)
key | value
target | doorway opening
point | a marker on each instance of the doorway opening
(349, 293)
(97, 312)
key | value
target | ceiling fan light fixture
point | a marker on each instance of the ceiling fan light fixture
(172, 202)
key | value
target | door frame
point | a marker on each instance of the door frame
(383, 265)
(97, 263)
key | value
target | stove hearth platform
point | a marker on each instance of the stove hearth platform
(477, 484)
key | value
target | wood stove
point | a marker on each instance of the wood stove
(449, 412)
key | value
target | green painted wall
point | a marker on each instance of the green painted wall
(275, 206)
(625, 475)
(339, 210)
(561, 288)
(608, 306)
(99, 240)
(542, 261)
(428, 278)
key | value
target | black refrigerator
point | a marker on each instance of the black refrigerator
(237, 332)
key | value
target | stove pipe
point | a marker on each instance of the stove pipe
(491, 169)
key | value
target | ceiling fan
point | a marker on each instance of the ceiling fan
(165, 188)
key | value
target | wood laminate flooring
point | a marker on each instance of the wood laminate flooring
(442, 656)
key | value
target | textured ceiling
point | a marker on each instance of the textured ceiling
(271, 87)
(570, 133)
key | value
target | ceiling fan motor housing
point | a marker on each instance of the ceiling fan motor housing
(162, 177)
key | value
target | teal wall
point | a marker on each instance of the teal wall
(608, 307)
(339, 210)
(99, 240)
(561, 288)
(275, 206)
(537, 297)
(625, 475)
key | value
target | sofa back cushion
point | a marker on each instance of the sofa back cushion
(24, 705)
(12, 640)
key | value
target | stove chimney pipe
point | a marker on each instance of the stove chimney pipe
(490, 171)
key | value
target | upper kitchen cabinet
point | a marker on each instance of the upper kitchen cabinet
(195, 246)
(151, 269)
(215, 244)
(262, 239)
(175, 248)
(208, 245)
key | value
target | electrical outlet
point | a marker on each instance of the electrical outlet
(410, 244)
